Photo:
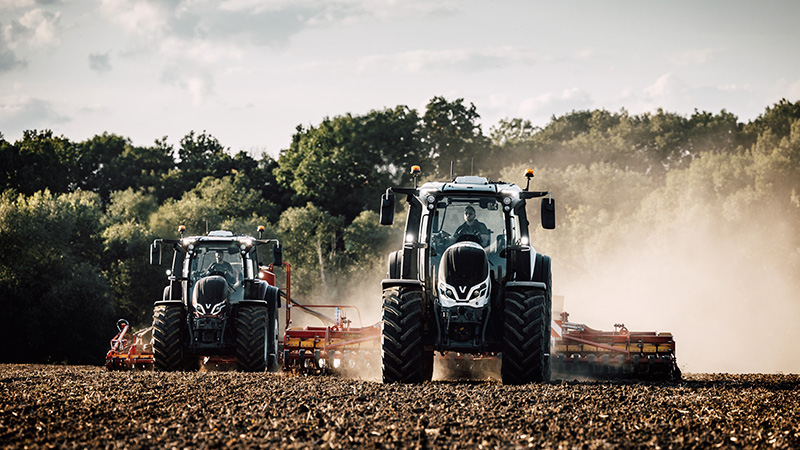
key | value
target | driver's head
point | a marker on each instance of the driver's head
(469, 214)
(219, 254)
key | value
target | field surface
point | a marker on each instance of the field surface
(87, 407)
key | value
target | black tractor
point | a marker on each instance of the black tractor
(216, 306)
(467, 280)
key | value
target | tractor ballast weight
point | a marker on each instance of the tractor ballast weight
(465, 288)
(216, 305)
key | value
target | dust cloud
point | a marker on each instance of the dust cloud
(729, 294)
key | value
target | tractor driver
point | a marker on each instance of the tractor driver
(221, 266)
(473, 226)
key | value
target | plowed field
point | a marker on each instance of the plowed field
(80, 407)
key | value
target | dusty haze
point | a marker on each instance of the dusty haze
(729, 294)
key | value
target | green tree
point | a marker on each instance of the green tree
(452, 133)
(109, 162)
(54, 301)
(39, 161)
(312, 245)
(134, 283)
(345, 163)
(209, 204)
(777, 119)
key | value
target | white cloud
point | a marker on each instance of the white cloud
(555, 103)
(35, 29)
(8, 58)
(667, 85)
(197, 82)
(142, 18)
(20, 113)
(16, 4)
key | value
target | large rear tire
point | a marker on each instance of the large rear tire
(168, 335)
(404, 358)
(251, 338)
(526, 338)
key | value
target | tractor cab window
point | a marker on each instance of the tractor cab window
(475, 219)
(222, 260)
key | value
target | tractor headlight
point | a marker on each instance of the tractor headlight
(446, 292)
(217, 308)
(209, 310)
(478, 292)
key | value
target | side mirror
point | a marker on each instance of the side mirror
(548, 213)
(277, 254)
(155, 254)
(387, 208)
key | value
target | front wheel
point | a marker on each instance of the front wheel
(251, 338)
(404, 358)
(526, 338)
(168, 335)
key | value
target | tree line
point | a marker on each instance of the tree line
(76, 218)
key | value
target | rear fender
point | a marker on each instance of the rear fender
(169, 303)
(403, 284)
(526, 286)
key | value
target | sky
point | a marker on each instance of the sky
(250, 72)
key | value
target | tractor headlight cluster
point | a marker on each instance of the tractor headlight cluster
(209, 310)
(506, 204)
(479, 292)
(447, 292)
(476, 297)
(431, 199)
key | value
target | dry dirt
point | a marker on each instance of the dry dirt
(87, 407)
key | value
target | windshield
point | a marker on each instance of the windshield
(475, 219)
(480, 217)
(222, 259)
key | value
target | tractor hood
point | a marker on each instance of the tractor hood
(464, 276)
(210, 294)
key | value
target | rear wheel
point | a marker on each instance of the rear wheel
(404, 358)
(168, 334)
(251, 338)
(526, 338)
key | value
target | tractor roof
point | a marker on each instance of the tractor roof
(470, 184)
(217, 236)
